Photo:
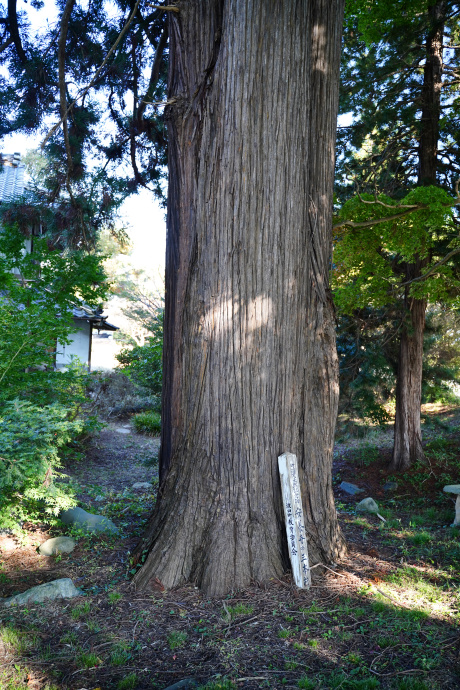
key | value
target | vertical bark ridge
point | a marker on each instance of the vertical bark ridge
(252, 345)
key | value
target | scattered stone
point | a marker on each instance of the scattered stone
(123, 430)
(368, 505)
(454, 489)
(390, 486)
(186, 683)
(145, 486)
(57, 589)
(87, 521)
(52, 547)
(351, 489)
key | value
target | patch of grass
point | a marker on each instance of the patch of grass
(80, 611)
(283, 634)
(150, 460)
(113, 597)
(361, 522)
(412, 684)
(364, 684)
(290, 665)
(345, 636)
(417, 521)
(69, 638)
(176, 639)
(93, 626)
(88, 660)
(354, 658)
(119, 655)
(147, 423)
(313, 643)
(20, 680)
(306, 683)
(421, 538)
(412, 578)
(300, 646)
(367, 454)
(17, 639)
(238, 610)
(129, 682)
(223, 684)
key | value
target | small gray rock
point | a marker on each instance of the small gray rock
(100, 498)
(187, 683)
(142, 485)
(122, 430)
(57, 589)
(390, 486)
(367, 505)
(351, 489)
(52, 547)
(87, 521)
(452, 489)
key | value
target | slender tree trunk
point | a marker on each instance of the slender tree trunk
(250, 361)
(408, 435)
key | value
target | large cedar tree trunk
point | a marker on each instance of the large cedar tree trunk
(408, 435)
(250, 360)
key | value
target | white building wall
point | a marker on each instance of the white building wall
(78, 347)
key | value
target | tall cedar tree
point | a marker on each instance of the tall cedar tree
(250, 358)
(400, 81)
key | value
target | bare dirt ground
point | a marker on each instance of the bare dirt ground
(385, 617)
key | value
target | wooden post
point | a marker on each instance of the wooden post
(295, 526)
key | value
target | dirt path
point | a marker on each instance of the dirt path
(386, 618)
(115, 460)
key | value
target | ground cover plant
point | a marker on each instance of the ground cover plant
(386, 616)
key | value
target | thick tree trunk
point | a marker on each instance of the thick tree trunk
(408, 435)
(250, 361)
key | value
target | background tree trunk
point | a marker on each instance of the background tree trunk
(250, 360)
(408, 434)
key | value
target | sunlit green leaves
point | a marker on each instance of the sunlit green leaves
(368, 265)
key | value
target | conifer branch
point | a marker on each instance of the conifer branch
(5, 45)
(62, 84)
(376, 221)
(155, 73)
(381, 203)
(444, 260)
(14, 30)
(164, 8)
(85, 90)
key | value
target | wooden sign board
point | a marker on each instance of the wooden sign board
(295, 526)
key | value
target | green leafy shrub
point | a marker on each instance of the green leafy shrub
(144, 363)
(30, 439)
(148, 423)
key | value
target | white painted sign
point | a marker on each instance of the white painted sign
(295, 526)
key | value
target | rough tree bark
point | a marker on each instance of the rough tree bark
(250, 360)
(408, 434)
(407, 446)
